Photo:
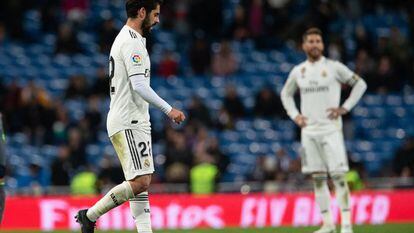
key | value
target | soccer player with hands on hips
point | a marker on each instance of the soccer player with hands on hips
(128, 120)
(319, 81)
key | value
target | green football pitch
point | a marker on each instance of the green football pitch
(388, 228)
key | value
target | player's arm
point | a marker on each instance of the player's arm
(359, 86)
(135, 65)
(140, 85)
(288, 101)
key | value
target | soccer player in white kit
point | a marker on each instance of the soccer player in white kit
(128, 121)
(319, 81)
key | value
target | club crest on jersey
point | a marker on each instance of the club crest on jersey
(136, 59)
(147, 163)
(324, 74)
(302, 71)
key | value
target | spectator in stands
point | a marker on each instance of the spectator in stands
(179, 159)
(100, 86)
(362, 40)
(399, 54)
(84, 182)
(93, 117)
(404, 159)
(221, 160)
(233, 104)
(203, 176)
(268, 104)
(206, 15)
(110, 173)
(12, 14)
(60, 125)
(238, 29)
(35, 114)
(168, 66)
(75, 10)
(77, 148)
(66, 41)
(77, 88)
(107, 34)
(256, 18)
(383, 46)
(12, 107)
(283, 165)
(61, 167)
(2, 33)
(224, 62)
(354, 176)
(336, 50)
(385, 79)
(49, 15)
(200, 56)
(198, 113)
(224, 119)
(37, 177)
(3, 90)
(365, 66)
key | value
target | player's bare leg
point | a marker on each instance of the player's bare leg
(343, 197)
(322, 198)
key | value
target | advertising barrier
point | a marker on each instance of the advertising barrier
(171, 211)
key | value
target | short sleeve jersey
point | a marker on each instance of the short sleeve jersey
(128, 58)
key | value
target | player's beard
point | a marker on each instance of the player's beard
(146, 26)
(314, 55)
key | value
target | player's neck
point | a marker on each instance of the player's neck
(313, 60)
(135, 24)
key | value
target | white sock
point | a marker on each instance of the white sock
(140, 209)
(322, 197)
(115, 197)
(343, 198)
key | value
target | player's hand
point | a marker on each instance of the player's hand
(176, 115)
(334, 113)
(300, 120)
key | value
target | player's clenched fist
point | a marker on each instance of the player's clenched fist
(176, 115)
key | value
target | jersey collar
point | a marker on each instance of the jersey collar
(322, 59)
(144, 41)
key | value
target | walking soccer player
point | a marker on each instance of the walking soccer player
(128, 120)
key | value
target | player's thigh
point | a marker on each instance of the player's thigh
(311, 156)
(335, 152)
(134, 150)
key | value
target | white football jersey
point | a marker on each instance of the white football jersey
(320, 88)
(128, 57)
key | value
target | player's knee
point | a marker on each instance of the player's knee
(338, 176)
(319, 178)
(140, 184)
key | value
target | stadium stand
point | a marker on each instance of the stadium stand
(53, 98)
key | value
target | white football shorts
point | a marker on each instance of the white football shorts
(134, 150)
(324, 153)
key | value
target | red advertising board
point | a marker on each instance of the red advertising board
(213, 211)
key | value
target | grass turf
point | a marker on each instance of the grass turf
(388, 228)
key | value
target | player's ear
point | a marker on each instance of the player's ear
(142, 13)
(303, 45)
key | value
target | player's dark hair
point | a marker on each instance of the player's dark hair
(132, 6)
(311, 31)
